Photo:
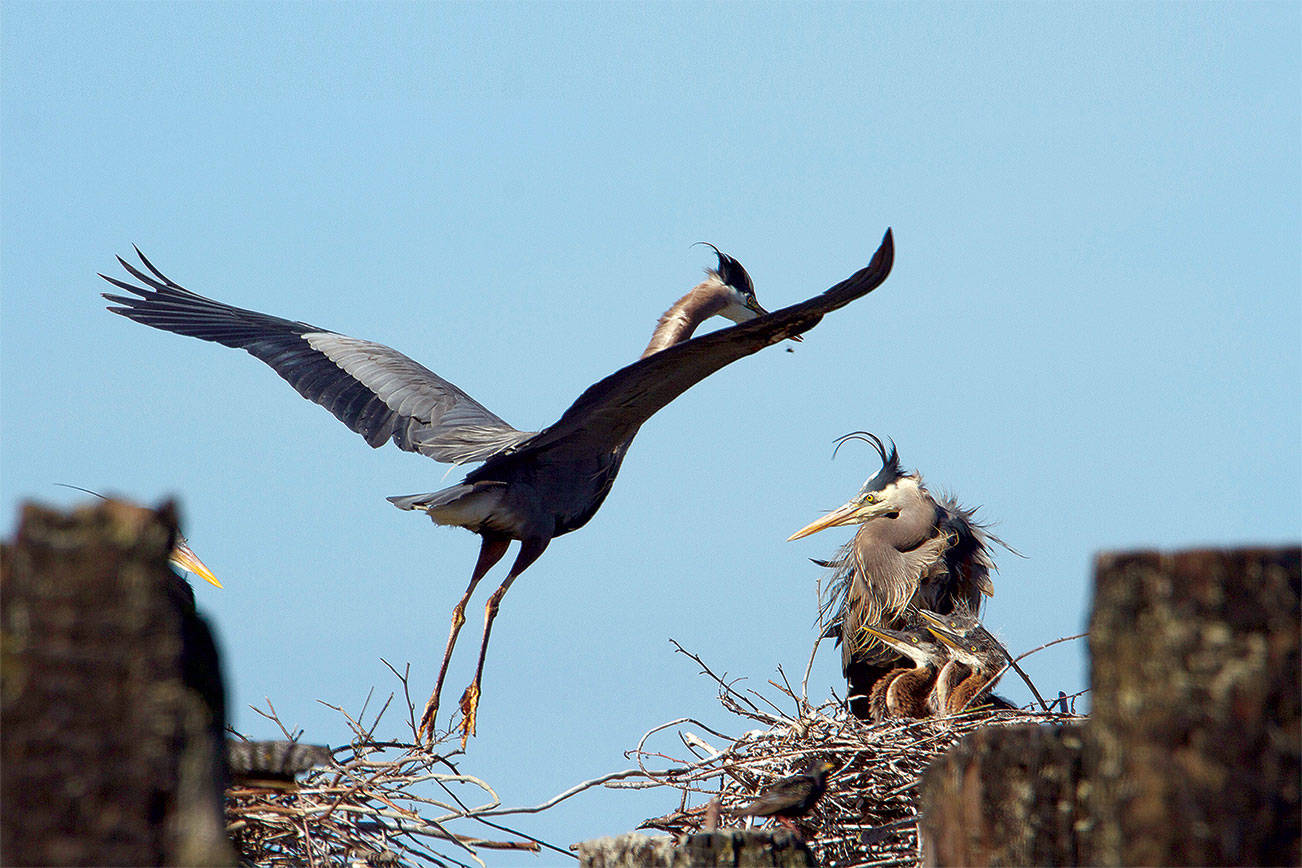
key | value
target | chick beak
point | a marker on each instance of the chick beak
(930, 618)
(942, 637)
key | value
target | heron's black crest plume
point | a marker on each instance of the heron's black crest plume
(890, 471)
(79, 488)
(731, 272)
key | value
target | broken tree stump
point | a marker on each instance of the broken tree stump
(750, 848)
(1191, 752)
(1194, 738)
(1027, 814)
(112, 699)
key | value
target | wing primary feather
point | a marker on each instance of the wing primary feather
(373, 389)
(163, 277)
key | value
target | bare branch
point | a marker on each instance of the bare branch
(366, 806)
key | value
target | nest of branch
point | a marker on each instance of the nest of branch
(869, 814)
(388, 803)
(380, 803)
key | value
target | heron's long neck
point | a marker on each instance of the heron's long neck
(950, 675)
(962, 695)
(677, 324)
(907, 695)
(880, 689)
(892, 556)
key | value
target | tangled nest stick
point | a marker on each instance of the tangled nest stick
(374, 803)
(868, 816)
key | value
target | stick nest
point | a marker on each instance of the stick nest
(869, 814)
(402, 803)
(374, 803)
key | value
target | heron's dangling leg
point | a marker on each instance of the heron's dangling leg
(490, 552)
(530, 549)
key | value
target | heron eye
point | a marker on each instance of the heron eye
(870, 498)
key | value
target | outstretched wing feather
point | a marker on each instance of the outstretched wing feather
(373, 389)
(614, 408)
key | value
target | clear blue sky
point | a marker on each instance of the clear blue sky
(1092, 329)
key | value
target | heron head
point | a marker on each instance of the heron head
(917, 645)
(888, 492)
(978, 648)
(183, 557)
(963, 648)
(960, 621)
(742, 304)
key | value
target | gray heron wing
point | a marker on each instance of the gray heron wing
(373, 389)
(612, 410)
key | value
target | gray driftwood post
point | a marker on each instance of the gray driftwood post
(1191, 753)
(1194, 734)
(112, 697)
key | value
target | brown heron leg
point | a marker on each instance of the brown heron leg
(530, 549)
(490, 552)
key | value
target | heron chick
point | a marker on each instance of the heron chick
(977, 660)
(904, 692)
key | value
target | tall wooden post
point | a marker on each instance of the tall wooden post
(112, 697)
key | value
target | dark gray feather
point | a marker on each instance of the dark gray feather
(373, 389)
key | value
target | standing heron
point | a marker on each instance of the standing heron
(911, 550)
(532, 486)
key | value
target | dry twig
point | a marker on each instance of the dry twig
(376, 803)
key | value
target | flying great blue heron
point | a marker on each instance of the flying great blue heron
(911, 550)
(532, 486)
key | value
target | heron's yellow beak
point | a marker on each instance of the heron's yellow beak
(943, 636)
(930, 617)
(184, 558)
(856, 511)
(880, 635)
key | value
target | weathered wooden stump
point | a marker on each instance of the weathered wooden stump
(1027, 813)
(1194, 738)
(112, 697)
(1191, 752)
